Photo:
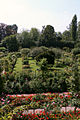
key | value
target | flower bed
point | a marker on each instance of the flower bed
(13, 106)
(46, 116)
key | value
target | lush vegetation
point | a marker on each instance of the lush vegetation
(34, 62)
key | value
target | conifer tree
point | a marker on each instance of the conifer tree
(74, 28)
(79, 31)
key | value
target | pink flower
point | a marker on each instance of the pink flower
(53, 103)
(47, 105)
(8, 101)
(2, 103)
(2, 99)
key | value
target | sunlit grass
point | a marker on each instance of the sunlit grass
(33, 65)
(18, 66)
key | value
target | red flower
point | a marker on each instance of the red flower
(46, 118)
(70, 115)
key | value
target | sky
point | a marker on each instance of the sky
(27, 14)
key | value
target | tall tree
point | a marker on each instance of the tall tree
(47, 37)
(24, 39)
(66, 35)
(74, 28)
(79, 31)
(59, 36)
(34, 34)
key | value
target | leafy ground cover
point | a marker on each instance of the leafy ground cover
(16, 107)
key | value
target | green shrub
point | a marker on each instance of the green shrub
(25, 51)
(25, 62)
(18, 54)
(76, 51)
(2, 49)
(58, 52)
(36, 86)
(36, 51)
(49, 55)
(2, 54)
(18, 83)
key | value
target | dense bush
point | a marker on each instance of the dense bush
(77, 45)
(76, 51)
(2, 54)
(11, 43)
(18, 83)
(58, 52)
(18, 54)
(58, 82)
(2, 49)
(37, 50)
(1, 85)
(62, 44)
(49, 55)
(24, 51)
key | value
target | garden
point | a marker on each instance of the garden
(40, 73)
(35, 86)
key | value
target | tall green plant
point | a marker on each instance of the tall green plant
(74, 28)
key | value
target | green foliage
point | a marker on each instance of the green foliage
(25, 62)
(18, 54)
(34, 34)
(24, 51)
(18, 83)
(66, 35)
(2, 49)
(36, 86)
(76, 51)
(77, 45)
(49, 55)
(75, 86)
(47, 37)
(58, 52)
(69, 44)
(1, 80)
(24, 40)
(59, 36)
(7, 30)
(18, 65)
(11, 43)
(74, 28)
(1, 85)
(44, 65)
(78, 32)
(37, 50)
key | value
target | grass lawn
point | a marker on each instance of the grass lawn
(33, 65)
(18, 66)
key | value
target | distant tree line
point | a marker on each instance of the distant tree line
(13, 41)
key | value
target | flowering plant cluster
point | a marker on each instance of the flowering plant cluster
(51, 103)
(46, 116)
